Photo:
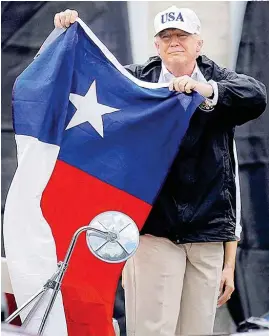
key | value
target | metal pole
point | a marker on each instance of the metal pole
(46, 287)
(41, 291)
(17, 312)
(62, 271)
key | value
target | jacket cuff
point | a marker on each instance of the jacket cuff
(221, 92)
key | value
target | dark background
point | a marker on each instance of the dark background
(252, 139)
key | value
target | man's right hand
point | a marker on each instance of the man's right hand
(65, 19)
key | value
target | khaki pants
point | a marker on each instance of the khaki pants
(172, 289)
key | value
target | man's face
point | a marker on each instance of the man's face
(178, 46)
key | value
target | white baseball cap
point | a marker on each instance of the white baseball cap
(177, 18)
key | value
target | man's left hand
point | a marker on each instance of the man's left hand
(226, 285)
(187, 84)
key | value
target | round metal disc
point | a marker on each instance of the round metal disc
(122, 240)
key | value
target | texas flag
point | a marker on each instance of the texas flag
(90, 138)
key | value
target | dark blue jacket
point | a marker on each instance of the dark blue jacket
(198, 199)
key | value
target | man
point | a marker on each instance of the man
(181, 271)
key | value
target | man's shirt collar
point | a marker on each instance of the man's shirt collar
(167, 76)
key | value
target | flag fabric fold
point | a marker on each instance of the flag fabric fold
(90, 138)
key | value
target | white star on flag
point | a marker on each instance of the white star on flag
(88, 109)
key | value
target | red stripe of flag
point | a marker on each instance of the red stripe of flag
(72, 199)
